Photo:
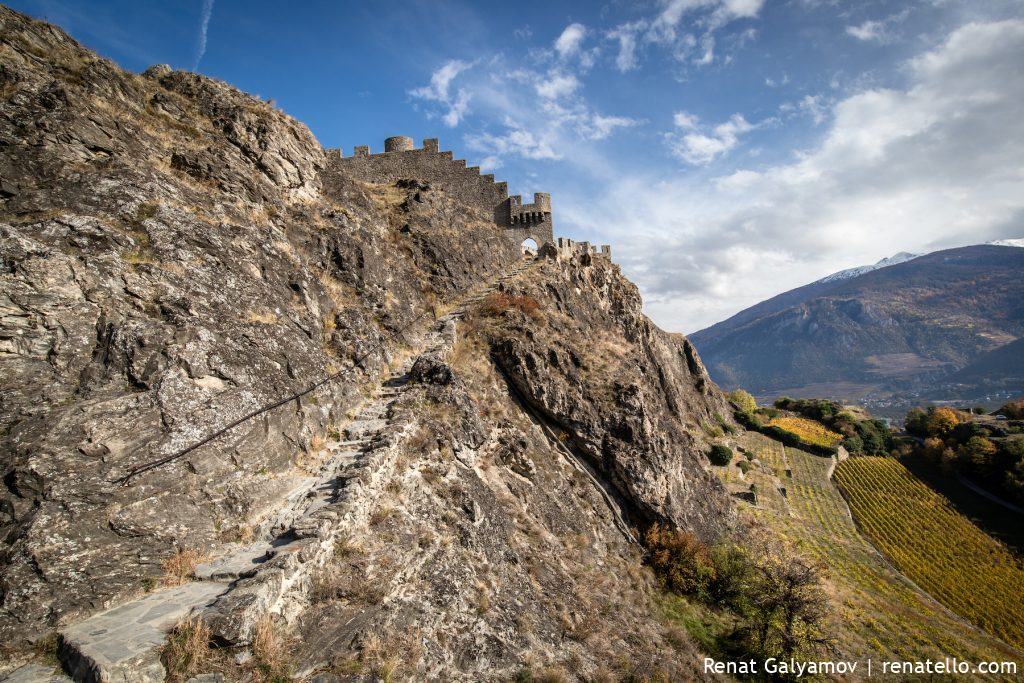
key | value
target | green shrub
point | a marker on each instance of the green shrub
(720, 455)
(744, 466)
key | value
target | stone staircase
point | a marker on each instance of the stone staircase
(239, 586)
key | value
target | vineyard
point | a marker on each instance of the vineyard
(937, 547)
(809, 431)
(876, 612)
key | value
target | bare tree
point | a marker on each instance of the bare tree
(787, 605)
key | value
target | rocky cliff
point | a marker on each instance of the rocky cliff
(173, 260)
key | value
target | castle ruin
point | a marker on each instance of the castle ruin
(400, 159)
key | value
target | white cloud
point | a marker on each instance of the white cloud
(878, 30)
(568, 44)
(664, 30)
(931, 165)
(439, 91)
(699, 148)
(515, 142)
(685, 120)
(559, 118)
(869, 30)
(557, 85)
(626, 35)
(603, 126)
(440, 81)
(812, 105)
(457, 109)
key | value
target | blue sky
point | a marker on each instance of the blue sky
(728, 150)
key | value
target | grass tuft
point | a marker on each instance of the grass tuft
(187, 650)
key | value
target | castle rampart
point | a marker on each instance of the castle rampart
(400, 159)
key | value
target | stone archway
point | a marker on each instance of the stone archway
(529, 247)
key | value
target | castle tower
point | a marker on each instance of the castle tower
(398, 143)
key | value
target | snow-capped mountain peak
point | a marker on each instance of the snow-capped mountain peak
(1018, 242)
(860, 270)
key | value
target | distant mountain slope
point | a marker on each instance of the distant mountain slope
(905, 325)
(798, 295)
(1005, 363)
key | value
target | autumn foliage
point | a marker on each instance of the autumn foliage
(681, 561)
(936, 546)
(497, 304)
(809, 431)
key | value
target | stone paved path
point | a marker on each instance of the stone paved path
(241, 584)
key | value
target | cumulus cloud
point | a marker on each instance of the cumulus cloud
(516, 141)
(931, 165)
(699, 148)
(568, 43)
(627, 35)
(439, 91)
(601, 127)
(812, 105)
(560, 117)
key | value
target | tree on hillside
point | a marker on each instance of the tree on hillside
(977, 452)
(787, 606)
(743, 401)
(916, 422)
(941, 421)
(1015, 481)
(720, 455)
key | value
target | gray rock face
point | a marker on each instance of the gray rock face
(172, 259)
(636, 401)
(143, 304)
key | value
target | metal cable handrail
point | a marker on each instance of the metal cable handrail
(146, 467)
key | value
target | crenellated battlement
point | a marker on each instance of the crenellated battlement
(401, 159)
(566, 247)
(537, 212)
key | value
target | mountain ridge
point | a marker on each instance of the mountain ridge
(925, 316)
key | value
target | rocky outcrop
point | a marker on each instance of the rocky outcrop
(174, 259)
(143, 304)
(636, 401)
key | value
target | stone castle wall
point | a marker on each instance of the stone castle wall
(400, 159)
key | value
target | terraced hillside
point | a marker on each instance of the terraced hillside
(877, 613)
(936, 546)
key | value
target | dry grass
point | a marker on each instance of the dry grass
(261, 317)
(317, 443)
(381, 514)
(179, 567)
(187, 651)
(391, 656)
(270, 652)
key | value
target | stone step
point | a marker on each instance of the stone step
(360, 429)
(231, 567)
(123, 644)
(35, 673)
(350, 444)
